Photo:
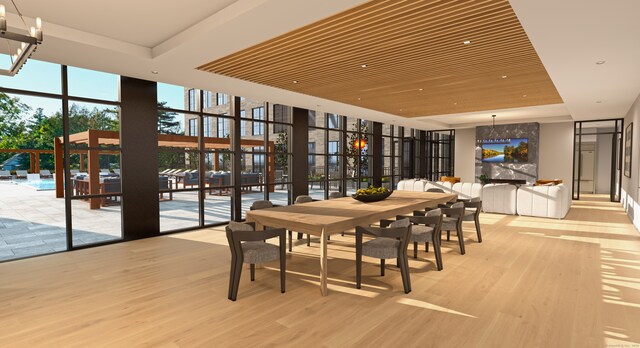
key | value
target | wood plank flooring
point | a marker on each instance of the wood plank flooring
(533, 282)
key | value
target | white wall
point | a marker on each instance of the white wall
(465, 165)
(631, 186)
(556, 152)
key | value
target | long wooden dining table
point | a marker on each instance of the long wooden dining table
(324, 218)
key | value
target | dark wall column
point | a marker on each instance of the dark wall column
(139, 160)
(300, 143)
(378, 159)
(236, 168)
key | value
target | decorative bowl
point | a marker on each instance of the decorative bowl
(372, 198)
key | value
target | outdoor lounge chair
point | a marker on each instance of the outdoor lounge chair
(5, 175)
(74, 171)
(116, 171)
(107, 171)
(21, 174)
(45, 174)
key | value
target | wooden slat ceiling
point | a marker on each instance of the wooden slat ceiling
(416, 61)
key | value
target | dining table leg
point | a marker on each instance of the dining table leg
(323, 262)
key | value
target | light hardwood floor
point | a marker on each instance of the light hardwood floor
(532, 282)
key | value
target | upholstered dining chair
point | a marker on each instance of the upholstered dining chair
(452, 221)
(389, 243)
(426, 229)
(433, 189)
(472, 213)
(248, 246)
(300, 200)
(261, 204)
(334, 195)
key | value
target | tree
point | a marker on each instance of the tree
(167, 123)
(281, 150)
(12, 125)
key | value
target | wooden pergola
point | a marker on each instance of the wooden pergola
(34, 157)
(96, 138)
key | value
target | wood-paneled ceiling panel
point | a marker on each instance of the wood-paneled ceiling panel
(405, 57)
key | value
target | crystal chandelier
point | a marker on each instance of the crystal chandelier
(28, 43)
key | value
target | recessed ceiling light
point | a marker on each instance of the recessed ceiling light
(363, 65)
(295, 81)
(599, 102)
(504, 76)
(421, 89)
(400, 109)
(358, 98)
(600, 62)
(155, 72)
(524, 96)
(466, 42)
(455, 103)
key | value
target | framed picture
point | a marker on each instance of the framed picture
(628, 142)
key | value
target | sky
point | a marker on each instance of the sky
(45, 77)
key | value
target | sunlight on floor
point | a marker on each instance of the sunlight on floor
(430, 306)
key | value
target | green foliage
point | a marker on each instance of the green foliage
(281, 148)
(21, 129)
(167, 123)
(353, 152)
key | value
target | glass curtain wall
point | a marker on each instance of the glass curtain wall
(439, 149)
(35, 108)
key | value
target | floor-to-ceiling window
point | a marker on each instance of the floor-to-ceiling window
(439, 149)
(36, 106)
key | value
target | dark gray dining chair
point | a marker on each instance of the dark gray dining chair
(300, 200)
(426, 229)
(452, 221)
(261, 204)
(334, 195)
(472, 213)
(248, 246)
(389, 243)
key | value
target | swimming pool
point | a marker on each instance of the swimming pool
(40, 185)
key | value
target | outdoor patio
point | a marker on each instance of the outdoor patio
(33, 222)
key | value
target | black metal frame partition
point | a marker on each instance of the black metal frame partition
(616, 157)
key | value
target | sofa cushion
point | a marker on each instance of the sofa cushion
(543, 201)
(499, 198)
(467, 190)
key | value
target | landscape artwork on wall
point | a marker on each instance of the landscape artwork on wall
(628, 142)
(505, 150)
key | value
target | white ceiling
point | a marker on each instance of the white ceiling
(134, 38)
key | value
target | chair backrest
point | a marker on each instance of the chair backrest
(45, 172)
(434, 212)
(303, 199)
(5, 172)
(457, 205)
(333, 195)
(261, 204)
(239, 226)
(404, 239)
(433, 189)
(21, 172)
(117, 171)
(475, 199)
(74, 171)
(105, 171)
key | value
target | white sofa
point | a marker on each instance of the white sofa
(443, 185)
(499, 198)
(467, 190)
(544, 201)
